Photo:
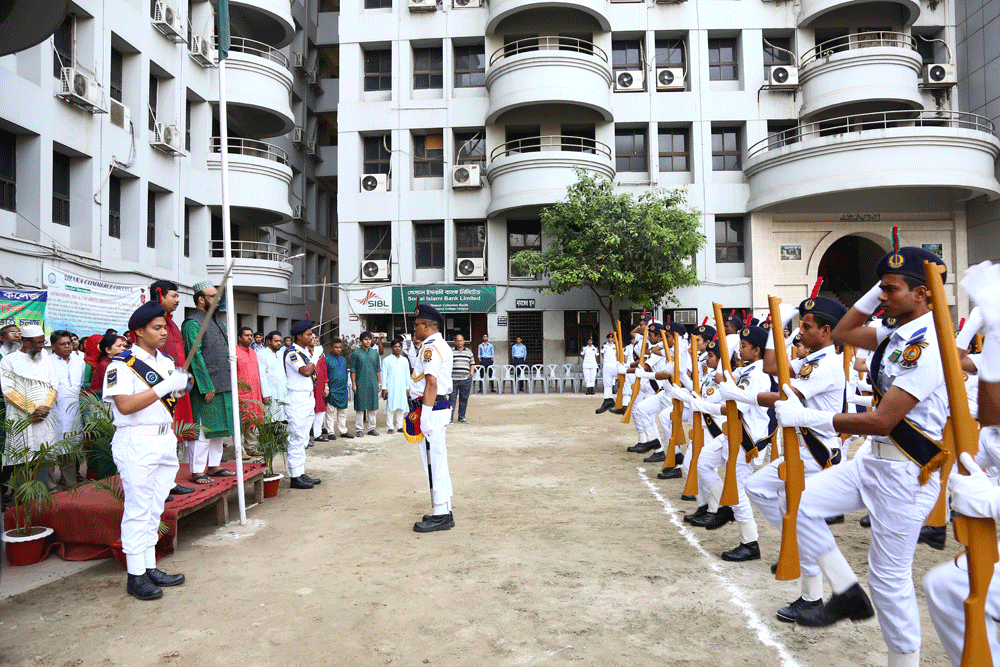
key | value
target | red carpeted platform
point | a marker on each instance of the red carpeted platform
(87, 521)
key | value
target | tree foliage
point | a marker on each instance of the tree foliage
(636, 249)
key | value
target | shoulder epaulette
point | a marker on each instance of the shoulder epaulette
(122, 356)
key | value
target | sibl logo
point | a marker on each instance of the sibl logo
(373, 300)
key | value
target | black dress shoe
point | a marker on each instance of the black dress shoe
(748, 551)
(311, 480)
(300, 483)
(605, 406)
(688, 498)
(643, 447)
(715, 521)
(331, 437)
(698, 513)
(678, 458)
(852, 603)
(161, 578)
(617, 411)
(347, 435)
(865, 521)
(435, 522)
(140, 587)
(933, 536)
(669, 473)
(790, 614)
(655, 457)
(774, 570)
(179, 490)
(834, 520)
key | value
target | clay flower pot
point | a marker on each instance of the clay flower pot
(26, 549)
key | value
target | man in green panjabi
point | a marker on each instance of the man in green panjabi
(366, 378)
(212, 396)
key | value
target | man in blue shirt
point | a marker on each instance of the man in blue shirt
(486, 354)
(519, 357)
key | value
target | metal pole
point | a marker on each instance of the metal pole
(322, 302)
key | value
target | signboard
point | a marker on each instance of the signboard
(524, 303)
(87, 306)
(446, 298)
(372, 300)
(23, 307)
(501, 320)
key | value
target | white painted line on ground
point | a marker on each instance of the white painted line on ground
(737, 595)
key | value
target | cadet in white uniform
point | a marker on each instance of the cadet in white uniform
(142, 385)
(609, 372)
(589, 354)
(898, 478)
(430, 384)
(300, 375)
(707, 404)
(658, 406)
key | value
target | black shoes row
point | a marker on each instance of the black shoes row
(147, 586)
(304, 481)
(434, 522)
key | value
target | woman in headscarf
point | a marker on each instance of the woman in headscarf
(100, 350)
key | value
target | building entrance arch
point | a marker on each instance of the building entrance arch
(848, 267)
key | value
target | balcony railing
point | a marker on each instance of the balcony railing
(251, 148)
(553, 142)
(548, 43)
(269, 252)
(873, 121)
(252, 47)
(860, 40)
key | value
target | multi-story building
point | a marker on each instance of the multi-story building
(110, 153)
(803, 131)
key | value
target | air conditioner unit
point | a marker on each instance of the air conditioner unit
(629, 81)
(311, 148)
(301, 64)
(668, 2)
(670, 78)
(299, 212)
(202, 51)
(167, 138)
(299, 137)
(466, 176)
(423, 5)
(470, 269)
(168, 20)
(120, 115)
(466, 4)
(313, 78)
(375, 183)
(76, 87)
(940, 75)
(784, 76)
(374, 270)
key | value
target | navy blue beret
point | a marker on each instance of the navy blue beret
(301, 327)
(713, 347)
(735, 321)
(145, 314)
(908, 261)
(431, 313)
(706, 331)
(755, 336)
(824, 306)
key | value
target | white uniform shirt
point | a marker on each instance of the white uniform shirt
(120, 380)
(819, 377)
(754, 380)
(589, 354)
(609, 355)
(272, 367)
(433, 358)
(294, 360)
(972, 387)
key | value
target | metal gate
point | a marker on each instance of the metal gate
(527, 325)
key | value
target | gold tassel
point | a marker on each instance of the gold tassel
(936, 463)
(752, 454)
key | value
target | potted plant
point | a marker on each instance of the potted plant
(113, 487)
(272, 436)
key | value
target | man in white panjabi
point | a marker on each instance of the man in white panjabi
(395, 382)
(69, 368)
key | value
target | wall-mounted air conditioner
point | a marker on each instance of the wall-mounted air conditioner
(670, 78)
(374, 183)
(940, 75)
(298, 212)
(466, 176)
(423, 5)
(299, 137)
(466, 4)
(119, 114)
(202, 51)
(784, 76)
(629, 81)
(374, 270)
(77, 87)
(470, 269)
(167, 138)
(168, 20)
(301, 63)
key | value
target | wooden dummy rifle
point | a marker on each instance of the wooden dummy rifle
(978, 535)
(734, 432)
(677, 414)
(792, 470)
(636, 383)
(939, 515)
(848, 359)
(620, 344)
(697, 432)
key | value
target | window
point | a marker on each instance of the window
(781, 133)
(578, 138)
(523, 235)
(428, 155)
(523, 139)
(470, 66)
(378, 4)
(378, 69)
(630, 150)
(722, 63)
(378, 241)
(60, 189)
(470, 148)
(8, 171)
(62, 41)
(674, 151)
(117, 74)
(777, 51)
(470, 239)
(428, 69)
(726, 154)
(578, 326)
(728, 240)
(377, 154)
(927, 48)
(670, 52)
(430, 245)
(514, 44)
(154, 84)
(187, 126)
(115, 207)
(626, 54)
(151, 220)
(187, 231)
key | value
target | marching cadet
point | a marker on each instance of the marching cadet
(658, 405)
(301, 380)
(430, 386)
(707, 403)
(143, 385)
(609, 368)
(817, 379)
(632, 353)
(647, 403)
(898, 479)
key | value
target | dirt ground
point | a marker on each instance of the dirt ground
(563, 553)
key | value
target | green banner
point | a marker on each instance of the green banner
(23, 307)
(446, 298)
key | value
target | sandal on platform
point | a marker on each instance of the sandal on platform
(222, 472)
(201, 479)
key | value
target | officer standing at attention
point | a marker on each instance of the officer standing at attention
(486, 355)
(143, 385)
(609, 371)
(301, 378)
(589, 354)
(430, 384)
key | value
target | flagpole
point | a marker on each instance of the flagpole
(322, 302)
(227, 254)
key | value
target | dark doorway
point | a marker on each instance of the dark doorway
(848, 268)
(527, 325)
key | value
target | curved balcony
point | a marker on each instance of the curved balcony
(947, 152)
(259, 181)
(810, 10)
(501, 9)
(857, 72)
(258, 268)
(267, 21)
(536, 171)
(258, 88)
(544, 70)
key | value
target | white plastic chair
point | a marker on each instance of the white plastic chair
(552, 375)
(538, 375)
(492, 378)
(479, 376)
(507, 375)
(568, 376)
(523, 374)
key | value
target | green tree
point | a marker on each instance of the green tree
(636, 249)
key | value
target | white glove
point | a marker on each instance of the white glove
(972, 326)
(869, 302)
(622, 369)
(791, 412)
(854, 399)
(680, 393)
(686, 382)
(425, 419)
(732, 392)
(982, 282)
(703, 406)
(176, 382)
(973, 495)
(988, 363)
(644, 374)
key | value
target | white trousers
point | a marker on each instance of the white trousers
(359, 419)
(204, 453)
(589, 376)
(709, 461)
(336, 419)
(947, 587)
(433, 450)
(317, 425)
(395, 419)
(898, 506)
(300, 420)
(645, 410)
(147, 463)
(609, 374)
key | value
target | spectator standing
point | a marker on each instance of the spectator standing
(76, 345)
(395, 382)
(66, 418)
(104, 349)
(10, 337)
(254, 393)
(519, 357)
(463, 365)
(336, 399)
(486, 356)
(366, 377)
(300, 374)
(272, 360)
(258, 342)
(320, 390)
(30, 385)
(167, 295)
(589, 354)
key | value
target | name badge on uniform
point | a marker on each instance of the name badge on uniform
(428, 354)
(293, 356)
(112, 378)
(895, 356)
